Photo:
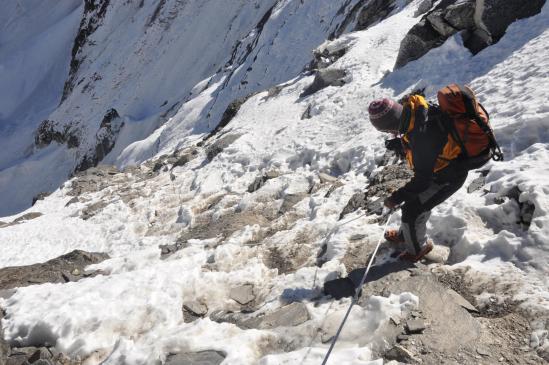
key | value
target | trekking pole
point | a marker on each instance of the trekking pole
(359, 290)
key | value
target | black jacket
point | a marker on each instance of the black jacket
(426, 141)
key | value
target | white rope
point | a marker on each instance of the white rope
(357, 293)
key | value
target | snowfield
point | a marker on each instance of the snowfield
(132, 312)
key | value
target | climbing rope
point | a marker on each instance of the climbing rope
(358, 291)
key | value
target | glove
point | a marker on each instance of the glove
(389, 203)
(395, 145)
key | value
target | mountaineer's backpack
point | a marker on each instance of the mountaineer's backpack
(471, 142)
(470, 136)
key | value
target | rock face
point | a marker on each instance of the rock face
(94, 12)
(105, 139)
(47, 132)
(373, 12)
(483, 23)
(69, 267)
(435, 28)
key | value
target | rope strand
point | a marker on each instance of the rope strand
(357, 293)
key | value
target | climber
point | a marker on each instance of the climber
(431, 138)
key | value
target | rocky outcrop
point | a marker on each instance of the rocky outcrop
(228, 115)
(94, 12)
(220, 144)
(47, 133)
(65, 268)
(373, 12)
(105, 139)
(482, 23)
(325, 78)
(446, 19)
(381, 185)
(22, 219)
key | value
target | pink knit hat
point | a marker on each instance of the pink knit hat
(385, 115)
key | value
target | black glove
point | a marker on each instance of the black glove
(395, 145)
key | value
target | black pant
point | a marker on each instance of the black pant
(416, 212)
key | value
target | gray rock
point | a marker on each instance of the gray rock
(168, 250)
(325, 78)
(40, 354)
(57, 270)
(288, 316)
(289, 201)
(93, 209)
(196, 308)
(196, 358)
(27, 217)
(483, 350)
(105, 139)
(228, 115)
(481, 26)
(72, 201)
(499, 14)
(399, 354)
(461, 301)
(243, 294)
(261, 180)
(21, 219)
(424, 7)
(49, 131)
(373, 12)
(325, 178)
(415, 326)
(402, 337)
(476, 184)
(218, 146)
(40, 196)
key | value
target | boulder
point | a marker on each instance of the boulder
(193, 310)
(243, 295)
(324, 78)
(58, 270)
(482, 23)
(499, 14)
(399, 354)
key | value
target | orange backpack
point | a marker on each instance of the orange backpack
(467, 122)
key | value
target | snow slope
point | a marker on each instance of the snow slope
(133, 313)
(148, 60)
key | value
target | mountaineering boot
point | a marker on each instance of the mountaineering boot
(406, 256)
(394, 236)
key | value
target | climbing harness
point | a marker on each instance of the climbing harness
(359, 289)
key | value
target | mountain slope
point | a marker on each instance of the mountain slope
(248, 220)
